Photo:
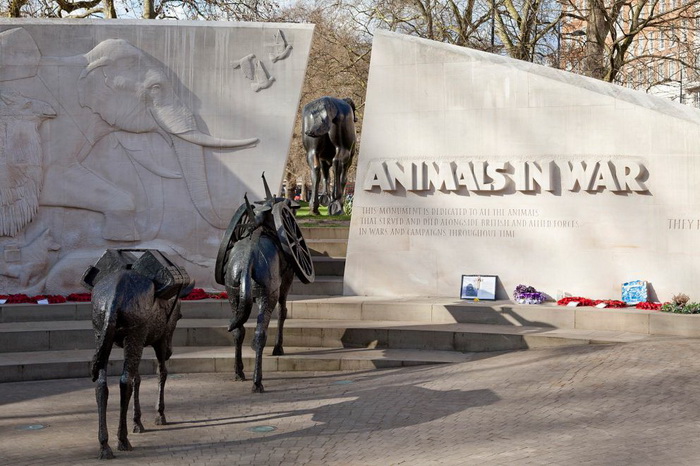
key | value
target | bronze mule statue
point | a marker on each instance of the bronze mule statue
(260, 253)
(135, 303)
(328, 135)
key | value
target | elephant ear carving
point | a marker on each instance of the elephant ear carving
(133, 92)
(143, 154)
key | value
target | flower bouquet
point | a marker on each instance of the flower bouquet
(524, 294)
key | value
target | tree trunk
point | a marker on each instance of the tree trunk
(15, 7)
(149, 11)
(596, 33)
(291, 185)
(109, 11)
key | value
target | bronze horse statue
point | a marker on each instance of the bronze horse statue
(135, 304)
(328, 135)
(260, 253)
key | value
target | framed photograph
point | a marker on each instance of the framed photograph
(478, 287)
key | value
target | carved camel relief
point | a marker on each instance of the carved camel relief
(120, 92)
(21, 159)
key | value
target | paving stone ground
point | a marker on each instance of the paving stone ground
(632, 404)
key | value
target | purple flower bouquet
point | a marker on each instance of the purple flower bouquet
(524, 294)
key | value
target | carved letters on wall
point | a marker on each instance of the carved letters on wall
(125, 130)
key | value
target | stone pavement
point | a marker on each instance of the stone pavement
(637, 403)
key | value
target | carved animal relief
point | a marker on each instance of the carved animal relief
(116, 141)
(21, 159)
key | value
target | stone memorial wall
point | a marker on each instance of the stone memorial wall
(472, 163)
(143, 134)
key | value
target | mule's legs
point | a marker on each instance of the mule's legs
(133, 349)
(267, 305)
(162, 377)
(238, 337)
(342, 136)
(278, 350)
(240, 317)
(340, 165)
(101, 395)
(325, 196)
(138, 426)
(315, 165)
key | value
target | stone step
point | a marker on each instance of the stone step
(328, 247)
(43, 365)
(313, 233)
(69, 335)
(323, 285)
(329, 266)
(505, 313)
(303, 305)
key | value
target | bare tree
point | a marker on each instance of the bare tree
(15, 8)
(338, 66)
(244, 10)
(622, 36)
(527, 28)
(459, 22)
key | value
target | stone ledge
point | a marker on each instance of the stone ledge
(423, 309)
(445, 310)
(18, 367)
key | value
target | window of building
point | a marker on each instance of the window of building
(672, 70)
(660, 71)
(662, 6)
(662, 41)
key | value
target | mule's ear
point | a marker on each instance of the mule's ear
(354, 109)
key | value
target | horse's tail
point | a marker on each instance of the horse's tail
(318, 117)
(105, 334)
(245, 286)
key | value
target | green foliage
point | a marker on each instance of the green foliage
(347, 207)
(305, 218)
(687, 308)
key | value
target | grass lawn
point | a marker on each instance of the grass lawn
(304, 217)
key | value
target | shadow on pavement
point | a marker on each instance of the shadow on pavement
(362, 410)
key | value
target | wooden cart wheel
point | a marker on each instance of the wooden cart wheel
(293, 243)
(231, 236)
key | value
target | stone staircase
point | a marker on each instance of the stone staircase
(328, 247)
(327, 331)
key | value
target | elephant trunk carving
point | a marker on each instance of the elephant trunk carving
(188, 147)
(176, 119)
